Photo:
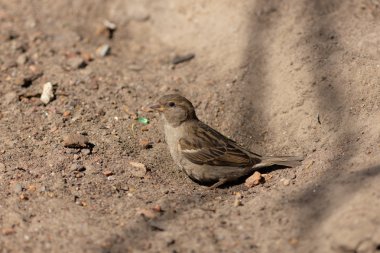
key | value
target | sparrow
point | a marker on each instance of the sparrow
(204, 154)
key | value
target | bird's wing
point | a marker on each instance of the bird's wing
(207, 146)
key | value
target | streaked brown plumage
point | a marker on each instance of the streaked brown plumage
(203, 153)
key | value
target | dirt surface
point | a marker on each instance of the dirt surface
(279, 77)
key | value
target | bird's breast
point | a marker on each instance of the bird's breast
(172, 136)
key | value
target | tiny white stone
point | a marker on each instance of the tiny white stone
(47, 93)
(103, 50)
(109, 25)
(286, 182)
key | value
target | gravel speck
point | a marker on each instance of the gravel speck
(76, 62)
(75, 141)
(103, 50)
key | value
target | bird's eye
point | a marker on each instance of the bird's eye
(171, 104)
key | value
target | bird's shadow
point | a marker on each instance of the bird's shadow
(242, 179)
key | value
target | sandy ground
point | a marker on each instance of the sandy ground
(279, 77)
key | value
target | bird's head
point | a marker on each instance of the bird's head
(175, 109)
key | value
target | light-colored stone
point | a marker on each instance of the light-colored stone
(138, 169)
(254, 180)
(103, 50)
(47, 93)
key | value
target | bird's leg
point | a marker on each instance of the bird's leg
(219, 183)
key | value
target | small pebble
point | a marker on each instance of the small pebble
(144, 143)
(86, 151)
(47, 93)
(182, 58)
(170, 242)
(148, 213)
(32, 188)
(111, 178)
(87, 57)
(107, 173)
(109, 25)
(107, 29)
(76, 62)
(77, 167)
(138, 169)
(267, 177)
(103, 50)
(254, 180)
(237, 201)
(22, 59)
(66, 114)
(285, 181)
(79, 175)
(8, 231)
(24, 196)
(157, 208)
(75, 141)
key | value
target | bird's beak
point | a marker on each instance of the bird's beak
(155, 107)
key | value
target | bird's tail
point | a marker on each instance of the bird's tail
(288, 161)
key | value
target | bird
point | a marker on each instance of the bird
(204, 154)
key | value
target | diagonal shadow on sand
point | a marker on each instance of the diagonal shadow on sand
(336, 185)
